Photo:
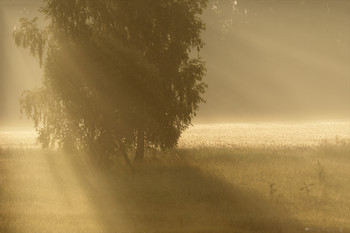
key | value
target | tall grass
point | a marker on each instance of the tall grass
(183, 190)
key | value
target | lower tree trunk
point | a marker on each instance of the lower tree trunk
(126, 158)
(140, 146)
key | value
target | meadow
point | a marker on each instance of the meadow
(204, 189)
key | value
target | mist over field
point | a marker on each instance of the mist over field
(174, 116)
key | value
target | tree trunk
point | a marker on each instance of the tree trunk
(126, 158)
(140, 146)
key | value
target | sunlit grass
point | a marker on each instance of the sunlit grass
(263, 134)
(310, 183)
(254, 189)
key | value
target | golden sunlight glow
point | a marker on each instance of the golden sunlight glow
(174, 116)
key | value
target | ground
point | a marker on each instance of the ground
(303, 189)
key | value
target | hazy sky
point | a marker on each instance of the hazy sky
(279, 60)
(266, 60)
(18, 70)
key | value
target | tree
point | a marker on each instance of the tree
(118, 75)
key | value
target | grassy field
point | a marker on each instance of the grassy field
(267, 189)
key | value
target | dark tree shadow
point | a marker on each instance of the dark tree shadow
(176, 197)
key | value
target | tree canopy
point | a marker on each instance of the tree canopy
(118, 75)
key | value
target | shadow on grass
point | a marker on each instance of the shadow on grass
(176, 197)
(162, 196)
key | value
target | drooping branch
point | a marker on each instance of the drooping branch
(29, 36)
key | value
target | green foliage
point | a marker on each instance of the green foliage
(113, 68)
